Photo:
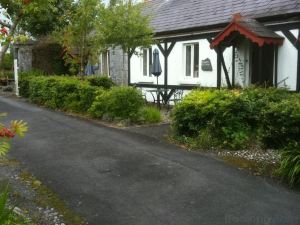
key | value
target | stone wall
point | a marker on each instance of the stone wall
(118, 67)
(24, 56)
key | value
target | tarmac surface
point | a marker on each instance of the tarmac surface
(123, 177)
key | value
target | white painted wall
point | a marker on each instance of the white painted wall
(176, 68)
(287, 65)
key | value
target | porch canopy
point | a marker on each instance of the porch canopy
(247, 28)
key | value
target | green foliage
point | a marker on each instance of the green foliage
(122, 103)
(78, 95)
(280, 122)
(123, 24)
(80, 37)
(4, 74)
(38, 17)
(8, 62)
(5, 213)
(220, 112)
(58, 92)
(149, 114)
(257, 99)
(237, 118)
(290, 163)
(101, 81)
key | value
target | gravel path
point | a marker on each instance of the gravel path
(24, 196)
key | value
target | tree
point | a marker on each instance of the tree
(79, 37)
(29, 17)
(124, 24)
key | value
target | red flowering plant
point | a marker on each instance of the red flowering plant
(8, 132)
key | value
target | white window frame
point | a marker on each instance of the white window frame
(148, 63)
(192, 45)
(105, 54)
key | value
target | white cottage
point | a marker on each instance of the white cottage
(216, 43)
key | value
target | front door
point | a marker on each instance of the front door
(262, 65)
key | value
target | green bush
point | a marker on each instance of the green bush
(32, 73)
(290, 163)
(57, 92)
(237, 118)
(123, 103)
(150, 114)
(8, 62)
(218, 111)
(256, 99)
(24, 87)
(280, 122)
(101, 81)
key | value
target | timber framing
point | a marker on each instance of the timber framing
(166, 51)
(295, 41)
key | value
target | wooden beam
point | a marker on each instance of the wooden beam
(173, 43)
(220, 51)
(218, 68)
(180, 87)
(276, 67)
(166, 64)
(295, 42)
(225, 70)
(161, 48)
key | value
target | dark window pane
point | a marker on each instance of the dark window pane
(188, 56)
(196, 60)
(145, 62)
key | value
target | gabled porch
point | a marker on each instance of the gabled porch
(256, 44)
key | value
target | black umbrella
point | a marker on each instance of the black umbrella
(156, 71)
(156, 67)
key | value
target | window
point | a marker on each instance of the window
(105, 63)
(192, 60)
(147, 62)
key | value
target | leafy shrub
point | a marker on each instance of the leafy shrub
(32, 73)
(236, 117)
(5, 212)
(8, 62)
(256, 99)
(290, 163)
(280, 122)
(7, 74)
(150, 114)
(99, 107)
(118, 103)
(57, 92)
(101, 81)
(218, 111)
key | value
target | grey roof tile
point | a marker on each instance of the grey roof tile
(172, 15)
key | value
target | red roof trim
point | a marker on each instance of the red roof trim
(235, 26)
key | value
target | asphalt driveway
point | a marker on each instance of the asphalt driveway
(118, 177)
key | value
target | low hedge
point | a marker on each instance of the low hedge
(84, 96)
(118, 103)
(101, 81)
(59, 92)
(239, 118)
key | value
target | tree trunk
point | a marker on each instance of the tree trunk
(5, 47)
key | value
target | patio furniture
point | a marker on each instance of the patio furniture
(177, 97)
